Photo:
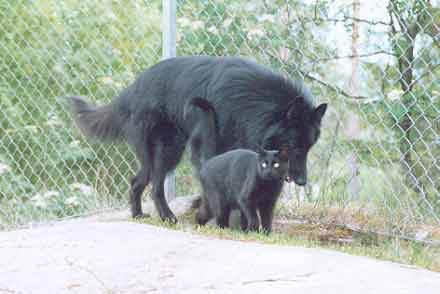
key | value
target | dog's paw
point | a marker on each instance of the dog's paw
(170, 218)
(141, 215)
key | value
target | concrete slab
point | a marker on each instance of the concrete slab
(92, 256)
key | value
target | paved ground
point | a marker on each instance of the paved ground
(95, 256)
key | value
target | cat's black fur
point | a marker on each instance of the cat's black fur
(252, 103)
(238, 179)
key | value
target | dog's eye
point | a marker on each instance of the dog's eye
(264, 164)
(276, 165)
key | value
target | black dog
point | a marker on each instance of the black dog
(238, 179)
(251, 101)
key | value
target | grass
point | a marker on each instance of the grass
(325, 237)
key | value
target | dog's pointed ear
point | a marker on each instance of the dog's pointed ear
(294, 108)
(320, 111)
(284, 153)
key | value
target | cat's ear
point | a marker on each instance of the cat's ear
(283, 153)
(320, 111)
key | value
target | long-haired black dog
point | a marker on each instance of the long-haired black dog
(238, 179)
(253, 105)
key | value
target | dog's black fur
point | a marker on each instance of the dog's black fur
(238, 179)
(251, 101)
(204, 137)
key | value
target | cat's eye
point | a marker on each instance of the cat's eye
(264, 164)
(276, 165)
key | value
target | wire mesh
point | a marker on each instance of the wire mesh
(52, 49)
(374, 168)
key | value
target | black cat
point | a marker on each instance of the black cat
(239, 179)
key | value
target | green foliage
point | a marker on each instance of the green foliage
(256, 29)
(53, 49)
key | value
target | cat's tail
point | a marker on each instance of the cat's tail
(205, 133)
(100, 122)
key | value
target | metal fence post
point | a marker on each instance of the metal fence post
(168, 51)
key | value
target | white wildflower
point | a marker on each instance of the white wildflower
(36, 197)
(112, 15)
(198, 24)
(72, 201)
(54, 123)
(212, 29)
(31, 128)
(395, 95)
(116, 51)
(266, 17)
(4, 168)
(284, 54)
(50, 194)
(74, 143)
(39, 201)
(227, 23)
(58, 67)
(106, 80)
(83, 188)
(255, 33)
(184, 22)
(53, 120)
(251, 6)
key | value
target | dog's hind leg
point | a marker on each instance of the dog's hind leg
(168, 150)
(138, 184)
(139, 141)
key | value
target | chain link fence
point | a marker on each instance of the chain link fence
(375, 168)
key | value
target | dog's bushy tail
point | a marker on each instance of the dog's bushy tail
(204, 137)
(104, 123)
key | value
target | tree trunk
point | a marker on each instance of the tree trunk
(352, 120)
(405, 58)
